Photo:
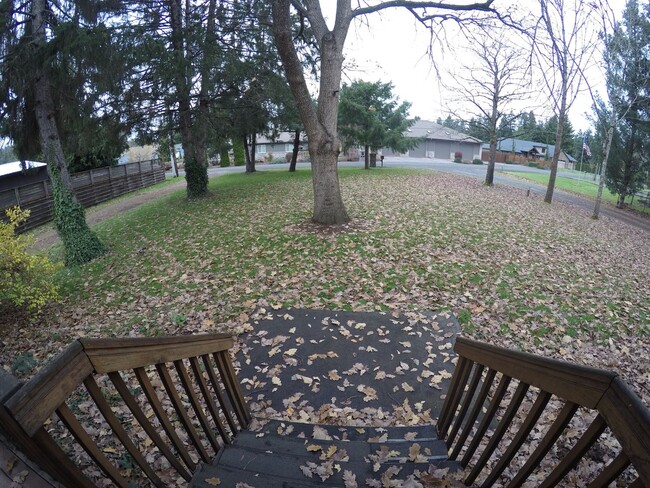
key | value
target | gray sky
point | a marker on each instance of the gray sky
(393, 48)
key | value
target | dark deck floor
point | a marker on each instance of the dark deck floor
(348, 368)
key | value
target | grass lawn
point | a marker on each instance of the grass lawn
(516, 272)
(588, 188)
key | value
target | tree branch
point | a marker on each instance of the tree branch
(482, 6)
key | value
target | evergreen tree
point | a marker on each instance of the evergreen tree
(372, 117)
(527, 128)
(36, 48)
(628, 84)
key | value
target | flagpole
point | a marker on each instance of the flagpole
(582, 152)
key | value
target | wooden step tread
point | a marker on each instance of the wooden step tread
(356, 450)
(337, 432)
(264, 459)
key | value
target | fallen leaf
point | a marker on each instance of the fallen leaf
(350, 479)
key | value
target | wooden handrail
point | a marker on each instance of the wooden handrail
(572, 382)
(129, 374)
(615, 406)
(108, 355)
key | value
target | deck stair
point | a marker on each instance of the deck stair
(157, 411)
(272, 459)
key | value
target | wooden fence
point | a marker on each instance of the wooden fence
(91, 187)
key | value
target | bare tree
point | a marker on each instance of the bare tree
(564, 46)
(320, 119)
(495, 79)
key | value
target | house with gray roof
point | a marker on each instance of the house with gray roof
(529, 151)
(440, 142)
(268, 149)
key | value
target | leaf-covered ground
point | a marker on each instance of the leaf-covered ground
(516, 272)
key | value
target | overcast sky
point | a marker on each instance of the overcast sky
(393, 48)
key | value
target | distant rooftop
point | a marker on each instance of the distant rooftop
(16, 167)
(430, 130)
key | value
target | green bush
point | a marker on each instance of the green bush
(238, 150)
(477, 161)
(224, 158)
(533, 164)
(27, 280)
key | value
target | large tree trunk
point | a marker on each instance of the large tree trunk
(294, 154)
(250, 156)
(328, 204)
(80, 243)
(320, 122)
(366, 157)
(195, 172)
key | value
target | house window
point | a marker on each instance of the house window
(288, 148)
(261, 148)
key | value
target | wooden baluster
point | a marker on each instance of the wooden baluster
(222, 359)
(217, 390)
(478, 405)
(214, 411)
(196, 404)
(486, 420)
(458, 382)
(47, 450)
(89, 445)
(466, 402)
(164, 420)
(612, 471)
(499, 432)
(588, 439)
(545, 445)
(140, 416)
(44, 451)
(168, 383)
(519, 438)
(119, 431)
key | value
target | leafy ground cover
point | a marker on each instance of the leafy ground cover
(516, 272)
(587, 187)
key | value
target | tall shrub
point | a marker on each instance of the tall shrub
(239, 154)
(224, 157)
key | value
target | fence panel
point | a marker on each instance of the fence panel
(91, 188)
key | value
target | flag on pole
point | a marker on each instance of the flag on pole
(586, 149)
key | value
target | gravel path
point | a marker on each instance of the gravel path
(94, 215)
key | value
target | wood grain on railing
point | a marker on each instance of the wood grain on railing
(618, 412)
(170, 398)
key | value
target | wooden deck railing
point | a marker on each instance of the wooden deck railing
(498, 394)
(136, 408)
